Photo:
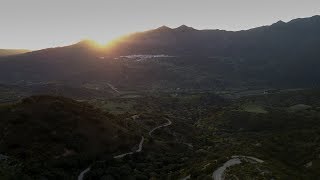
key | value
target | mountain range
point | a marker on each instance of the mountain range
(282, 54)
(297, 37)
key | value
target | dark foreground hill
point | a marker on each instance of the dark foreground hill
(44, 133)
(30, 127)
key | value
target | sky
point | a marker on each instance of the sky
(38, 24)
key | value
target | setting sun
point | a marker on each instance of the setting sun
(102, 41)
(106, 38)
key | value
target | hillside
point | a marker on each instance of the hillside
(207, 131)
(60, 121)
(57, 138)
(9, 52)
(281, 55)
(57, 130)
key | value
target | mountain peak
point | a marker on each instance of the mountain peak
(184, 28)
(163, 29)
(280, 22)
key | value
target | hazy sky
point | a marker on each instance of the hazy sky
(36, 24)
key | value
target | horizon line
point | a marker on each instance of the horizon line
(155, 28)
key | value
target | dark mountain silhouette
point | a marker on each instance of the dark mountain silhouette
(163, 29)
(280, 39)
(60, 63)
(184, 28)
(282, 54)
(9, 52)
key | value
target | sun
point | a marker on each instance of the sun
(105, 39)
(101, 42)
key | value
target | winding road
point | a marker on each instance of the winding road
(161, 126)
(138, 150)
(218, 174)
(81, 175)
(186, 178)
(113, 88)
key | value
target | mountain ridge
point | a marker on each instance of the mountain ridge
(10, 52)
(280, 54)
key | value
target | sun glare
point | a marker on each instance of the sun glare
(108, 39)
(101, 42)
(105, 40)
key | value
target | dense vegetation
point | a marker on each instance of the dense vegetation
(217, 128)
(47, 132)
(56, 137)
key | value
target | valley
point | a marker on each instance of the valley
(216, 128)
